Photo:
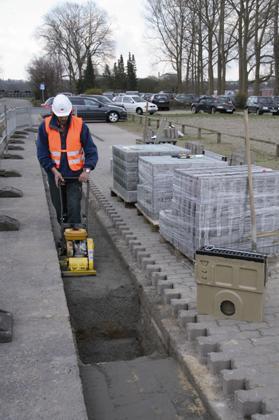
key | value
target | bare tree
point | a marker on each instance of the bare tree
(254, 40)
(169, 19)
(72, 32)
(44, 70)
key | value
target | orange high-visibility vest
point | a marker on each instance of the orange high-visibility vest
(73, 149)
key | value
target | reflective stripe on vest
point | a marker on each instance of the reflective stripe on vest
(73, 149)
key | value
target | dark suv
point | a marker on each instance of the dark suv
(261, 105)
(211, 105)
(162, 101)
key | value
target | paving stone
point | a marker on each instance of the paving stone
(185, 317)
(178, 305)
(233, 380)
(218, 362)
(169, 294)
(163, 284)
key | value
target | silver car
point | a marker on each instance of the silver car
(135, 104)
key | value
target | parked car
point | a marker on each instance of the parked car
(47, 104)
(90, 109)
(276, 102)
(135, 104)
(109, 95)
(186, 98)
(212, 105)
(147, 96)
(101, 98)
(162, 101)
(261, 105)
(224, 104)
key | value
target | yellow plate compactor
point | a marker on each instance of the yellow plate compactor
(77, 251)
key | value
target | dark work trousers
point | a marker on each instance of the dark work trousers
(71, 194)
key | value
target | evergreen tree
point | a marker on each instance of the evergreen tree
(121, 76)
(108, 79)
(89, 75)
(131, 73)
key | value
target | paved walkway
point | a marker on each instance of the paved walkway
(39, 375)
(244, 355)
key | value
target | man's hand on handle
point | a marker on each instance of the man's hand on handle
(84, 176)
(59, 180)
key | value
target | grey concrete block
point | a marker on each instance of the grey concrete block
(194, 330)
(233, 380)
(218, 361)
(185, 317)
(178, 305)
(164, 284)
(170, 294)
(206, 345)
(248, 402)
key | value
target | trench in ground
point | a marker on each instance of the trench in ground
(124, 369)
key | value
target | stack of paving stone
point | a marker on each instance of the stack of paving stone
(212, 208)
(156, 179)
(125, 165)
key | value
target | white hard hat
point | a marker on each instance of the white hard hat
(61, 106)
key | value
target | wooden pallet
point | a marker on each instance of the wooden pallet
(115, 193)
(179, 255)
(154, 223)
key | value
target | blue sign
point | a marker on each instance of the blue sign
(42, 86)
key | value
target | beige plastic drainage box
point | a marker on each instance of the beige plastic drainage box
(230, 283)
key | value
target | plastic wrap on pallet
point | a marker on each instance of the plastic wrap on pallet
(212, 208)
(125, 165)
(156, 180)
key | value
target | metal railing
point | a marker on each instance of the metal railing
(11, 120)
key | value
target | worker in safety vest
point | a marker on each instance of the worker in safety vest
(65, 149)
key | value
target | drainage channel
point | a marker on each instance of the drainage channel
(124, 369)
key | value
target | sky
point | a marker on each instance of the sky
(20, 18)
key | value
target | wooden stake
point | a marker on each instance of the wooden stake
(145, 123)
(250, 183)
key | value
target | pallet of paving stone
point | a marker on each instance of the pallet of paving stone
(212, 208)
(127, 199)
(152, 222)
(154, 191)
(125, 165)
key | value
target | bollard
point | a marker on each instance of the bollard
(199, 133)
(133, 117)
(149, 122)
(277, 150)
(183, 128)
(157, 124)
(218, 138)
